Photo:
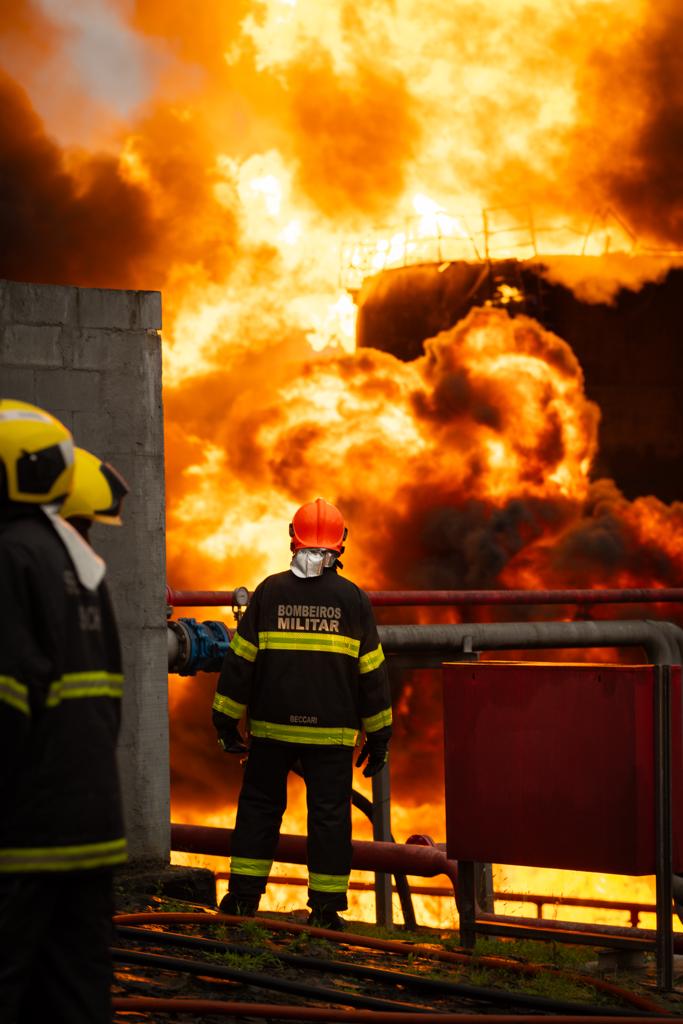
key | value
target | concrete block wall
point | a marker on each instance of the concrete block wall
(92, 357)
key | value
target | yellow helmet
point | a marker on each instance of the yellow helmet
(98, 491)
(36, 453)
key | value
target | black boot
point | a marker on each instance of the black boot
(238, 906)
(323, 917)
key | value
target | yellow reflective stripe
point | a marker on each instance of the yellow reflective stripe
(58, 693)
(243, 648)
(282, 641)
(371, 660)
(249, 866)
(63, 858)
(85, 684)
(15, 694)
(227, 706)
(327, 883)
(304, 734)
(378, 721)
(96, 676)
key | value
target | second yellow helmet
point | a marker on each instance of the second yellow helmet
(98, 491)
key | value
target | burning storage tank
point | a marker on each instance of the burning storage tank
(620, 314)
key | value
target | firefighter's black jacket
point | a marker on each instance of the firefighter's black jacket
(60, 697)
(307, 664)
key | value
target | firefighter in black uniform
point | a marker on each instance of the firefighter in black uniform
(61, 828)
(307, 667)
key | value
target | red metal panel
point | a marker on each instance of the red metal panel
(552, 765)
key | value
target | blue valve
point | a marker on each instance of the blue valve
(196, 646)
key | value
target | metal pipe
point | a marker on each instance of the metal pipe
(537, 932)
(392, 858)
(663, 830)
(173, 646)
(644, 936)
(425, 598)
(425, 646)
(675, 635)
(381, 832)
(488, 636)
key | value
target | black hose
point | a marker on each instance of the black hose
(427, 985)
(397, 947)
(402, 888)
(258, 980)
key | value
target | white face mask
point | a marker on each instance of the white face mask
(309, 562)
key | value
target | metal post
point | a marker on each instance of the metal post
(381, 831)
(484, 886)
(663, 831)
(466, 899)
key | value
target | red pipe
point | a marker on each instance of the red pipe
(424, 598)
(320, 1013)
(392, 858)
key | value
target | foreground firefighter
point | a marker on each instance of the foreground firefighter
(61, 828)
(307, 666)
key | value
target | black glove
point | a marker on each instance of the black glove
(376, 754)
(229, 736)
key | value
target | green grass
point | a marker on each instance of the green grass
(556, 954)
(263, 961)
(167, 904)
(397, 934)
(545, 983)
(254, 933)
(309, 945)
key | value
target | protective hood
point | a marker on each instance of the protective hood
(89, 567)
(308, 562)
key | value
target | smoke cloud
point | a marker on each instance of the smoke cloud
(59, 228)
(636, 91)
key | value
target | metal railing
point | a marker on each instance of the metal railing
(538, 900)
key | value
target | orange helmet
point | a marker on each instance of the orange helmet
(317, 524)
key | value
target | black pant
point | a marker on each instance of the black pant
(55, 933)
(327, 772)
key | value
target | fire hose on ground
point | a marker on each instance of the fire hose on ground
(391, 946)
(320, 1013)
(430, 986)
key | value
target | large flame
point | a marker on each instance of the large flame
(244, 158)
